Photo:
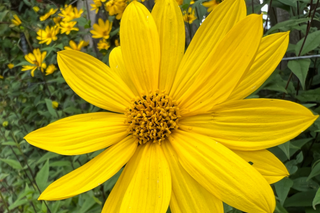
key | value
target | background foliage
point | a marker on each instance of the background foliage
(28, 103)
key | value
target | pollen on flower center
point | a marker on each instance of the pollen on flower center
(152, 117)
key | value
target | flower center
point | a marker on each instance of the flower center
(152, 117)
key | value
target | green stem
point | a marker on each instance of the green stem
(4, 201)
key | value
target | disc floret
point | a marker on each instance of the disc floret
(152, 117)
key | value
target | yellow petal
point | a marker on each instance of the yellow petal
(271, 168)
(220, 73)
(80, 134)
(93, 173)
(168, 18)
(144, 185)
(269, 55)
(188, 196)
(208, 36)
(94, 81)
(252, 124)
(223, 173)
(117, 65)
(140, 47)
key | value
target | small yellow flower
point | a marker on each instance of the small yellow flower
(10, 66)
(116, 7)
(51, 68)
(74, 46)
(189, 16)
(210, 5)
(1, 76)
(97, 4)
(67, 27)
(70, 13)
(36, 61)
(102, 29)
(48, 35)
(55, 104)
(103, 45)
(117, 42)
(48, 14)
(16, 20)
(36, 9)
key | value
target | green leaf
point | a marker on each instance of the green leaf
(27, 3)
(311, 43)
(285, 147)
(282, 189)
(309, 96)
(315, 170)
(50, 108)
(9, 143)
(3, 14)
(316, 199)
(300, 199)
(285, 25)
(291, 3)
(47, 156)
(18, 203)
(302, 184)
(42, 176)
(13, 163)
(300, 68)
(3, 28)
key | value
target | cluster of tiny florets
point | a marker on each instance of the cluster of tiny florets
(152, 117)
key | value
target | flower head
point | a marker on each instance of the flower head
(210, 5)
(51, 68)
(69, 13)
(97, 4)
(10, 66)
(48, 14)
(67, 27)
(116, 7)
(36, 8)
(74, 46)
(103, 45)
(55, 104)
(183, 130)
(102, 29)
(16, 20)
(36, 61)
(48, 35)
(189, 16)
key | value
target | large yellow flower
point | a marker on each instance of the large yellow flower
(48, 35)
(67, 27)
(97, 4)
(182, 128)
(69, 13)
(102, 29)
(48, 14)
(36, 61)
(116, 7)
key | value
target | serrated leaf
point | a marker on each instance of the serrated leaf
(311, 43)
(42, 176)
(13, 163)
(282, 189)
(300, 68)
(316, 199)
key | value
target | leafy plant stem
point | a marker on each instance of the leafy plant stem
(5, 202)
(308, 151)
(45, 83)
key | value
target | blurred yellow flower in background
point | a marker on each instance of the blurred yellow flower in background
(116, 7)
(51, 68)
(57, 20)
(10, 66)
(70, 13)
(55, 104)
(16, 20)
(189, 16)
(210, 5)
(74, 46)
(116, 42)
(103, 45)
(67, 27)
(102, 29)
(36, 8)
(48, 35)
(1, 76)
(97, 4)
(36, 61)
(48, 14)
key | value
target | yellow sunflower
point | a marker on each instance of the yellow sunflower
(69, 13)
(182, 128)
(16, 20)
(74, 46)
(36, 61)
(10, 66)
(67, 27)
(51, 68)
(48, 35)
(103, 45)
(97, 4)
(116, 7)
(189, 16)
(102, 29)
(210, 5)
(48, 14)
